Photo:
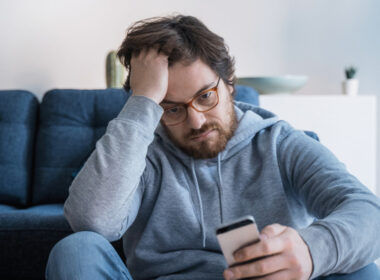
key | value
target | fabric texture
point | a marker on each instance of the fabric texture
(18, 113)
(369, 272)
(85, 255)
(166, 205)
(247, 95)
(27, 236)
(70, 123)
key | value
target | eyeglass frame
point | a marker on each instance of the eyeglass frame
(190, 103)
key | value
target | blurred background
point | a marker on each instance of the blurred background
(47, 44)
(63, 43)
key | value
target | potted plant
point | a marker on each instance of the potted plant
(350, 85)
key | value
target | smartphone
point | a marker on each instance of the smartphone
(236, 235)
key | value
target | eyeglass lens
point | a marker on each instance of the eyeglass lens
(203, 102)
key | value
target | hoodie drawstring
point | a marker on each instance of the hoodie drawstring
(220, 186)
(202, 222)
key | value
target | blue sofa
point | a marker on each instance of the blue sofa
(42, 148)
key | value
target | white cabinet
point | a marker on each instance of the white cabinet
(345, 125)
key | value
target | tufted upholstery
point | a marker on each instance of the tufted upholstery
(70, 123)
(17, 129)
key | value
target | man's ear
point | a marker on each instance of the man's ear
(230, 89)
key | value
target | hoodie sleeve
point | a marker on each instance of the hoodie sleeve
(344, 236)
(106, 194)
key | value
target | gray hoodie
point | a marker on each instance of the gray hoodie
(166, 205)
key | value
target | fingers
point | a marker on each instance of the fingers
(281, 250)
(270, 243)
(261, 249)
(273, 230)
(280, 275)
(147, 53)
(260, 267)
(149, 74)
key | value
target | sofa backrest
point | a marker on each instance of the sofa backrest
(247, 94)
(70, 123)
(18, 113)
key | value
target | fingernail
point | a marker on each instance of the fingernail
(229, 274)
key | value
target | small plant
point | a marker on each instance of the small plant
(350, 72)
(350, 86)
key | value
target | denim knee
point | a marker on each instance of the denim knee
(75, 252)
(74, 244)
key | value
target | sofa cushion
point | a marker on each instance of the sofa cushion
(27, 237)
(247, 95)
(40, 217)
(18, 113)
(70, 123)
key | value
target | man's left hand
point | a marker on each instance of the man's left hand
(283, 255)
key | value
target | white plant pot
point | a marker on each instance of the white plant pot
(350, 87)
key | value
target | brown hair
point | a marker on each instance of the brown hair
(181, 38)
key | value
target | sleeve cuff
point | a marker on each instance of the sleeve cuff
(142, 110)
(322, 247)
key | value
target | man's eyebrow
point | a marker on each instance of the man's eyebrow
(208, 86)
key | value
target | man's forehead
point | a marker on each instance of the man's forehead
(186, 80)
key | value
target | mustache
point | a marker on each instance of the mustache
(206, 127)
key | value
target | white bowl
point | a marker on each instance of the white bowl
(275, 84)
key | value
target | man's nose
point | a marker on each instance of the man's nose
(195, 119)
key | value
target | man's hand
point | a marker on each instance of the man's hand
(149, 74)
(284, 256)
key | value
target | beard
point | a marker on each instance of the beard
(208, 148)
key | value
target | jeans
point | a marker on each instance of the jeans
(85, 255)
(88, 255)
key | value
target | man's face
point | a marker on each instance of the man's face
(202, 134)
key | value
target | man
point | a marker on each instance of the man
(182, 158)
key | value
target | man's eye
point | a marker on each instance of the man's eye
(206, 95)
(172, 110)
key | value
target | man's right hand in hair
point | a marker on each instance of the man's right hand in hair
(149, 74)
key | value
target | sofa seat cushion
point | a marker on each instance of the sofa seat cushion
(26, 238)
(18, 113)
(47, 217)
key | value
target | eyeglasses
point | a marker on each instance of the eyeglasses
(202, 102)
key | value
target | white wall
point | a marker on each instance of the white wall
(47, 44)
(350, 137)
(63, 43)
